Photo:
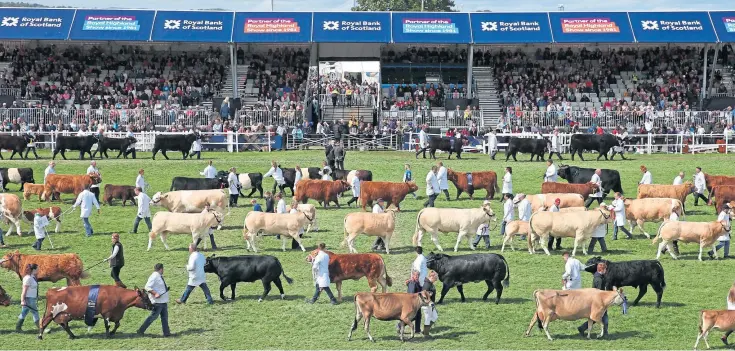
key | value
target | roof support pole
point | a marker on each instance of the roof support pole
(703, 91)
(714, 66)
(470, 63)
(233, 69)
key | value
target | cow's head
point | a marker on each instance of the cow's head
(144, 301)
(451, 175)
(95, 177)
(157, 197)
(591, 265)
(312, 255)
(4, 297)
(11, 261)
(344, 186)
(608, 215)
(210, 265)
(132, 140)
(392, 212)
(425, 298)
(434, 261)
(592, 186)
(218, 216)
(690, 187)
(564, 172)
(488, 211)
(620, 299)
(412, 187)
(222, 179)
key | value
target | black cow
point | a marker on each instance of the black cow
(457, 270)
(363, 175)
(592, 142)
(235, 269)
(638, 274)
(289, 176)
(535, 147)
(16, 175)
(446, 144)
(252, 181)
(15, 143)
(180, 142)
(576, 175)
(82, 143)
(184, 183)
(120, 144)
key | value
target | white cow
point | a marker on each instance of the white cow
(197, 224)
(284, 224)
(577, 225)
(370, 224)
(450, 220)
(310, 210)
(192, 201)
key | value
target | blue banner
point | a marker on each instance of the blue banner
(672, 27)
(431, 27)
(126, 25)
(590, 27)
(192, 26)
(42, 24)
(724, 25)
(272, 27)
(510, 28)
(351, 27)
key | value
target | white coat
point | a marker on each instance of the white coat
(130, 135)
(700, 183)
(93, 169)
(600, 231)
(39, 226)
(86, 199)
(320, 269)
(196, 145)
(234, 183)
(277, 174)
(140, 182)
(419, 265)
(596, 179)
(572, 275)
(326, 173)
(144, 205)
(355, 186)
(554, 143)
(678, 180)
(647, 178)
(423, 142)
(507, 183)
(209, 172)
(492, 141)
(724, 217)
(432, 184)
(730, 305)
(618, 206)
(550, 175)
(155, 283)
(441, 175)
(281, 206)
(508, 211)
(49, 170)
(297, 177)
(195, 266)
(524, 210)
(378, 209)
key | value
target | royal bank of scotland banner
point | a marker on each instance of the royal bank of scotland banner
(351, 27)
(193, 26)
(431, 27)
(724, 23)
(272, 27)
(41, 24)
(590, 27)
(510, 28)
(123, 25)
(672, 27)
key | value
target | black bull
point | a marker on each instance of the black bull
(451, 145)
(181, 143)
(15, 143)
(119, 144)
(456, 270)
(235, 269)
(184, 183)
(576, 175)
(535, 147)
(592, 142)
(638, 274)
(82, 143)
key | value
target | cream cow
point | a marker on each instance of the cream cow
(577, 225)
(284, 224)
(449, 220)
(640, 211)
(310, 210)
(11, 210)
(540, 201)
(197, 224)
(704, 233)
(370, 224)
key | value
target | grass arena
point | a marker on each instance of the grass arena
(293, 324)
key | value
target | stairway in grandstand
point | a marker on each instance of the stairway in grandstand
(332, 114)
(487, 94)
(242, 77)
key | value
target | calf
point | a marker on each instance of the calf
(455, 271)
(122, 192)
(723, 320)
(512, 229)
(324, 191)
(640, 211)
(16, 175)
(52, 213)
(355, 266)
(34, 189)
(638, 274)
(704, 233)
(448, 220)
(487, 180)
(371, 224)
(235, 269)
(393, 193)
(402, 307)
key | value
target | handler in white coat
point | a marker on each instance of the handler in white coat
(277, 173)
(572, 277)
(234, 186)
(432, 187)
(423, 142)
(39, 228)
(618, 206)
(209, 172)
(320, 272)
(355, 184)
(492, 144)
(508, 181)
(555, 145)
(597, 195)
(724, 240)
(441, 175)
(195, 267)
(700, 184)
(550, 175)
(86, 199)
(679, 180)
(647, 177)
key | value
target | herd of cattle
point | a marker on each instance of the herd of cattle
(189, 196)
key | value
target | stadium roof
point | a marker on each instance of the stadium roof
(367, 27)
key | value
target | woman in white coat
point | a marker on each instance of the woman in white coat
(277, 173)
(441, 176)
(492, 144)
(508, 181)
(234, 186)
(432, 187)
(618, 206)
(320, 271)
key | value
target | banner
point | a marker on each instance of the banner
(590, 27)
(191, 26)
(724, 23)
(431, 27)
(28, 23)
(510, 28)
(672, 27)
(351, 27)
(126, 25)
(272, 27)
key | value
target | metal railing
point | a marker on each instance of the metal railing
(10, 92)
(290, 118)
(613, 119)
(436, 118)
(351, 142)
(123, 117)
(344, 100)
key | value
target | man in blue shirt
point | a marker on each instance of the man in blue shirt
(256, 205)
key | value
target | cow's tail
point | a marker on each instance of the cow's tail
(531, 233)
(388, 279)
(539, 323)
(344, 225)
(415, 238)
(506, 281)
(497, 188)
(701, 320)
(663, 280)
(658, 233)
(288, 280)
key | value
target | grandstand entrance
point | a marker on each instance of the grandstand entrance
(348, 91)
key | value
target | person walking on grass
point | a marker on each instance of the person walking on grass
(432, 187)
(700, 185)
(408, 176)
(550, 244)
(195, 267)
(94, 188)
(28, 297)
(158, 294)
(144, 210)
(597, 195)
(320, 272)
(597, 282)
(572, 279)
(86, 199)
(234, 186)
(618, 206)
(355, 184)
(647, 177)
(117, 260)
(441, 176)
(723, 242)
(40, 222)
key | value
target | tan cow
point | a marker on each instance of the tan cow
(571, 305)
(389, 307)
(577, 225)
(192, 201)
(11, 210)
(723, 320)
(640, 211)
(370, 224)
(450, 220)
(679, 192)
(512, 229)
(310, 210)
(34, 189)
(704, 233)
(539, 201)
(197, 224)
(284, 224)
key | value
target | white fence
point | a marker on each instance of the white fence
(613, 119)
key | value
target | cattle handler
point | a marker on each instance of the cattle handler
(117, 260)
(29, 297)
(572, 267)
(195, 267)
(158, 293)
(320, 272)
(597, 280)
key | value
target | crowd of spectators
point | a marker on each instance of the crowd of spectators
(279, 77)
(346, 92)
(128, 77)
(390, 54)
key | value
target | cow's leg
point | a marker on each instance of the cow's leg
(266, 290)
(283, 243)
(460, 235)
(498, 285)
(279, 285)
(65, 325)
(164, 154)
(534, 320)
(701, 247)
(163, 240)
(545, 239)
(298, 240)
(232, 290)
(659, 293)
(435, 239)
(445, 290)
(489, 289)
(642, 289)
(576, 243)
(107, 327)
(114, 330)
(222, 285)
(579, 152)
(386, 241)
(590, 324)
(338, 285)
(367, 328)
(671, 251)
(547, 320)
(460, 288)
(63, 154)
(660, 249)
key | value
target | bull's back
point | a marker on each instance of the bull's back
(355, 266)
(248, 268)
(473, 268)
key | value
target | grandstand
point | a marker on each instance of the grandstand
(173, 70)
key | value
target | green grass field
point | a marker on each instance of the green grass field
(292, 324)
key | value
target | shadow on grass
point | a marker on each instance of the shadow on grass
(270, 298)
(663, 304)
(611, 336)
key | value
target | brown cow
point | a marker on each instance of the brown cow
(51, 268)
(487, 180)
(52, 213)
(68, 184)
(389, 307)
(723, 194)
(4, 297)
(33, 189)
(391, 192)
(323, 191)
(723, 320)
(70, 303)
(582, 189)
(716, 180)
(122, 192)
(679, 192)
(355, 266)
